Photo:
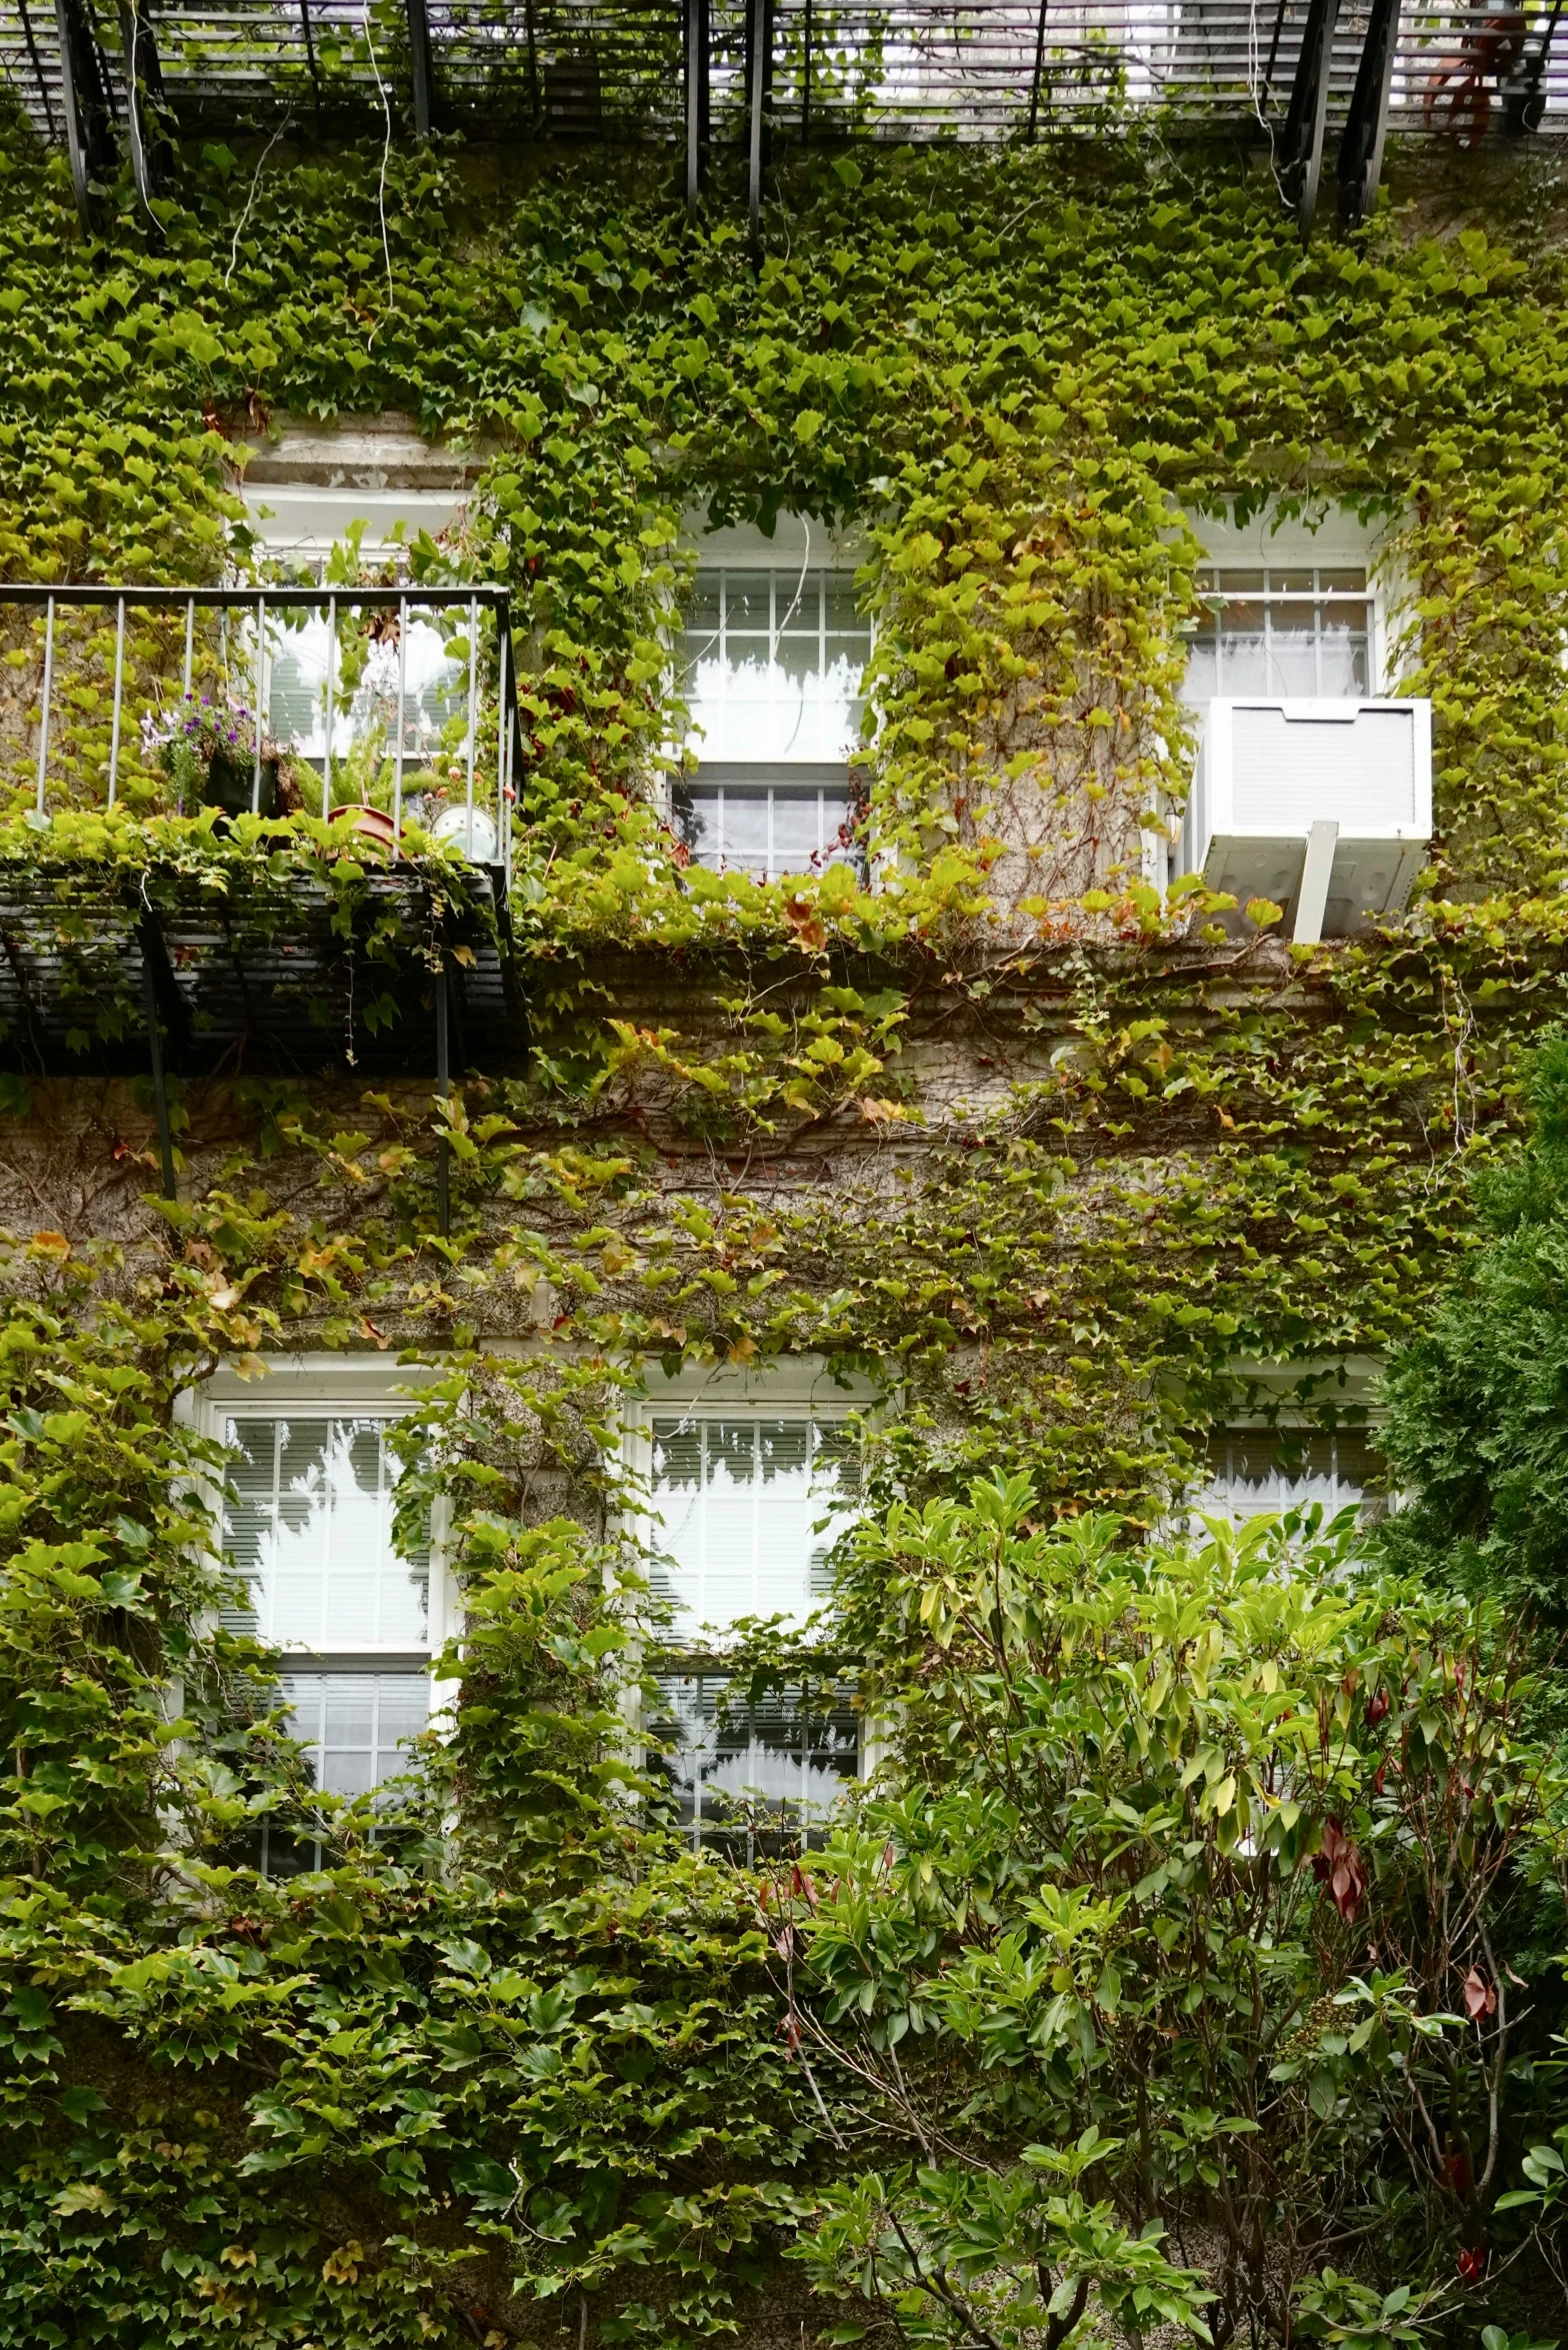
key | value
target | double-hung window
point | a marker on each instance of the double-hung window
(353, 532)
(749, 1484)
(771, 654)
(1285, 610)
(1260, 1468)
(308, 1530)
(1300, 630)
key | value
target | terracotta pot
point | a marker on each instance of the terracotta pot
(374, 823)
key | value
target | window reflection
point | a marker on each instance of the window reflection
(771, 665)
(749, 1508)
(1299, 631)
(309, 1528)
(752, 1780)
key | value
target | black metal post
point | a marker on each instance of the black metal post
(696, 78)
(1366, 126)
(160, 1093)
(759, 77)
(310, 58)
(89, 120)
(1527, 98)
(419, 62)
(444, 1089)
(535, 105)
(1301, 146)
(1039, 67)
(805, 78)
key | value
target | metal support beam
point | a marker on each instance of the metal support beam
(419, 63)
(698, 52)
(1526, 99)
(84, 89)
(759, 80)
(1366, 126)
(310, 58)
(144, 103)
(807, 35)
(1039, 68)
(444, 1089)
(1317, 869)
(149, 947)
(1300, 163)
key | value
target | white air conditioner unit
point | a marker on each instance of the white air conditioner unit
(1325, 807)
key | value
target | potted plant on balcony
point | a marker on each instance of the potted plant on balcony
(208, 751)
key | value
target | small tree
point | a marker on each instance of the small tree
(1477, 1407)
(1176, 1974)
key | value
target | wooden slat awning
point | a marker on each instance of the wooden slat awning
(281, 976)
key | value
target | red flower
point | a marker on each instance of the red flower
(1338, 1866)
(1480, 1998)
(1377, 1709)
(1472, 2265)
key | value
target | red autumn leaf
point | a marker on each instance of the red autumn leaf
(802, 916)
(1480, 1998)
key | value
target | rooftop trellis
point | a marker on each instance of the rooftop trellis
(740, 74)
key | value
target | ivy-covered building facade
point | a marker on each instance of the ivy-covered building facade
(672, 876)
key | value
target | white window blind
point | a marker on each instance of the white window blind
(309, 1527)
(356, 1728)
(748, 1507)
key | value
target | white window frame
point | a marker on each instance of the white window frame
(798, 545)
(802, 1386)
(321, 1386)
(1331, 539)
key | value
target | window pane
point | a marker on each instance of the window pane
(747, 1510)
(1243, 666)
(752, 1778)
(357, 1728)
(702, 612)
(1343, 582)
(1293, 652)
(797, 832)
(747, 603)
(745, 837)
(844, 618)
(798, 604)
(311, 1528)
(1342, 659)
(769, 690)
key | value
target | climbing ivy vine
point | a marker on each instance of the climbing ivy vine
(1055, 1159)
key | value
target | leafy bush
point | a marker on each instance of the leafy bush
(1177, 1971)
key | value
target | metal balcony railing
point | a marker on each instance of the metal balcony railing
(389, 704)
(889, 69)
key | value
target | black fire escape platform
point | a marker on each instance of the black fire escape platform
(173, 971)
